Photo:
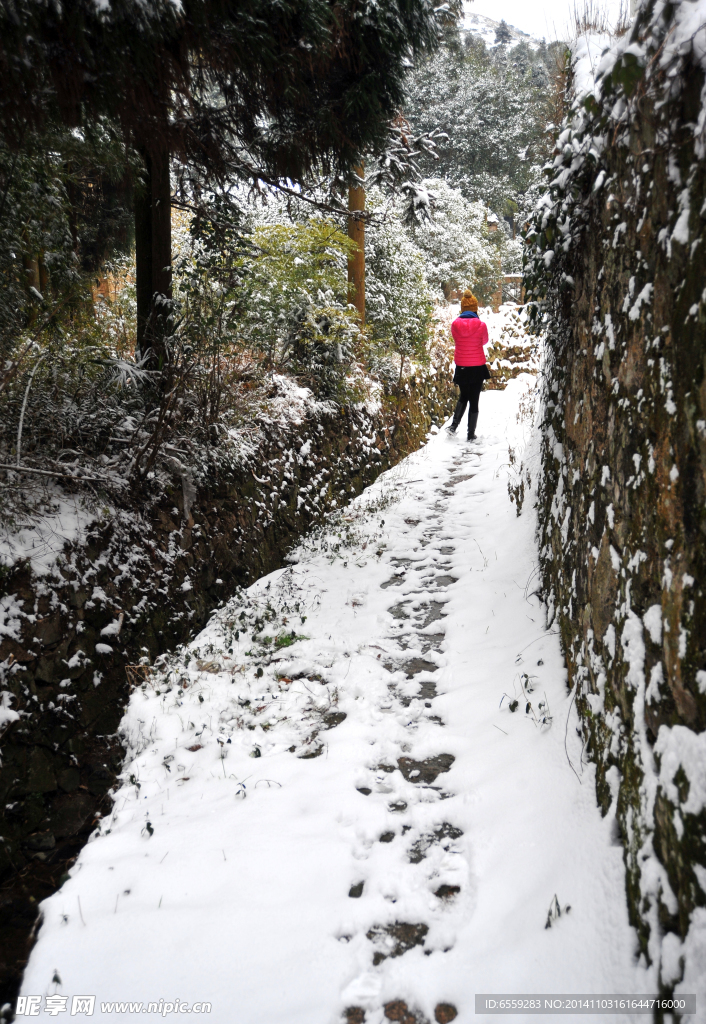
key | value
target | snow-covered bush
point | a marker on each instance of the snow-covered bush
(459, 251)
(295, 312)
(397, 296)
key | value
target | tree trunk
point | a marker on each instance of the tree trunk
(153, 252)
(356, 231)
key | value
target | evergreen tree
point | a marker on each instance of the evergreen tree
(235, 88)
(65, 207)
(503, 35)
(492, 106)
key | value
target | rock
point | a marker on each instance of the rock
(354, 1015)
(444, 834)
(38, 773)
(40, 841)
(99, 780)
(445, 892)
(416, 665)
(397, 1010)
(48, 630)
(69, 779)
(425, 771)
(394, 940)
(444, 1013)
(70, 812)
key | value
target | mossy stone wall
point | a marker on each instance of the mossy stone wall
(622, 500)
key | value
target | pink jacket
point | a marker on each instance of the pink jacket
(470, 335)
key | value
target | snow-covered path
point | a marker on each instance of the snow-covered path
(312, 830)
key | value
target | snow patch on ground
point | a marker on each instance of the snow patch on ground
(65, 519)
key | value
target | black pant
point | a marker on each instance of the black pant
(470, 393)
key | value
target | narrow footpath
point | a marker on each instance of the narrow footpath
(360, 793)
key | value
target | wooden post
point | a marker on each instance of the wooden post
(356, 231)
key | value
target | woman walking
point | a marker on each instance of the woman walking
(470, 335)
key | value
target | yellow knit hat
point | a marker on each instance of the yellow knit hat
(469, 303)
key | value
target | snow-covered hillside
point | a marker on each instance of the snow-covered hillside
(486, 28)
(359, 794)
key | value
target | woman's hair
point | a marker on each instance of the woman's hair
(469, 303)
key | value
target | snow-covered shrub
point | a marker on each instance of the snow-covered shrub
(459, 251)
(398, 300)
(295, 311)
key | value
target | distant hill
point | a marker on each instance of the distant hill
(486, 28)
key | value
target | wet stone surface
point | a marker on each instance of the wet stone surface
(416, 665)
(398, 611)
(446, 834)
(393, 940)
(426, 692)
(445, 581)
(425, 771)
(432, 641)
(432, 612)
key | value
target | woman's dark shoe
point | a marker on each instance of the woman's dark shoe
(472, 422)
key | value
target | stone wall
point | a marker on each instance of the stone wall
(617, 268)
(142, 582)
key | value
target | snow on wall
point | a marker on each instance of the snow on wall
(616, 273)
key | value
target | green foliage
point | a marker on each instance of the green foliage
(63, 212)
(252, 91)
(295, 311)
(35, 238)
(287, 639)
(269, 88)
(503, 35)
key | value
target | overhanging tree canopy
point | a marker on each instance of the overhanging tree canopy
(235, 87)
